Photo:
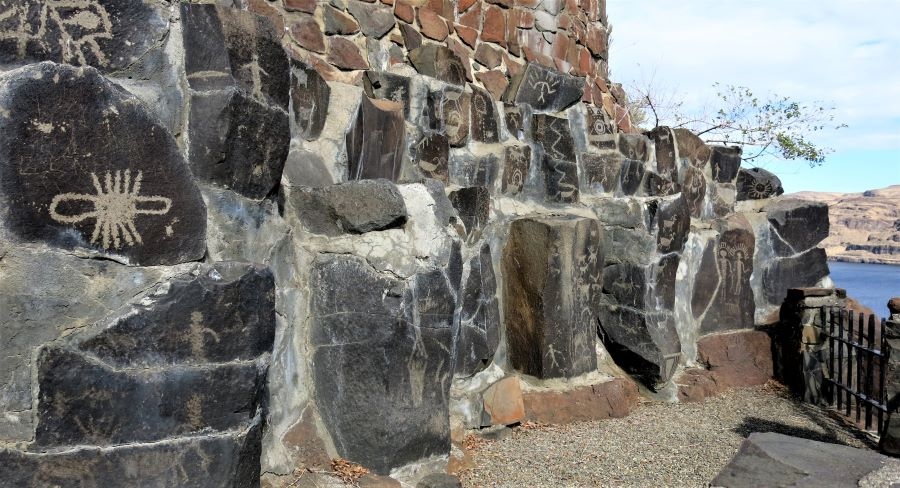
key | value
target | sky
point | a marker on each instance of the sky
(843, 53)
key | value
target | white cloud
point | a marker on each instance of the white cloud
(845, 53)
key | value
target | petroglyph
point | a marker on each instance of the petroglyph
(544, 87)
(81, 25)
(115, 207)
(197, 335)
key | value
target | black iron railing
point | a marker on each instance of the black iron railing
(854, 379)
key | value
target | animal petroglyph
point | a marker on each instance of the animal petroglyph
(81, 24)
(115, 206)
(197, 335)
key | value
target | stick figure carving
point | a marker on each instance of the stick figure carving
(115, 206)
(81, 25)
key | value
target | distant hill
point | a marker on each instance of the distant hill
(865, 227)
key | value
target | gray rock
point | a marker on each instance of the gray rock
(801, 224)
(354, 207)
(388, 86)
(239, 130)
(375, 140)
(634, 146)
(601, 171)
(306, 168)
(479, 320)
(433, 154)
(108, 35)
(553, 271)
(664, 140)
(473, 205)
(375, 20)
(673, 223)
(694, 189)
(757, 184)
(770, 459)
(804, 270)
(63, 183)
(381, 361)
(439, 480)
(631, 176)
(309, 97)
(212, 460)
(544, 89)
(438, 62)
(644, 344)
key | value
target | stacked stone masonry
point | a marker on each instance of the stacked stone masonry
(240, 239)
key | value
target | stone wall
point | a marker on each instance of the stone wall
(412, 221)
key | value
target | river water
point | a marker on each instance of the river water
(871, 284)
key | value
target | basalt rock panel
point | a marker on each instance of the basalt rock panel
(545, 89)
(732, 305)
(473, 204)
(725, 163)
(63, 183)
(803, 270)
(354, 207)
(309, 99)
(375, 140)
(554, 135)
(801, 224)
(553, 276)
(438, 62)
(561, 180)
(110, 35)
(757, 184)
(478, 334)
(382, 362)
(240, 81)
(515, 169)
(448, 113)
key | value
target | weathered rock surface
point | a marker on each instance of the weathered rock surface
(484, 117)
(544, 89)
(382, 362)
(757, 184)
(612, 399)
(448, 113)
(375, 140)
(725, 163)
(473, 204)
(553, 273)
(732, 305)
(515, 169)
(733, 359)
(309, 98)
(800, 224)
(503, 404)
(770, 459)
(388, 86)
(64, 184)
(433, 154)
(554, 135)
(354, 207)
(799, 271)
(478, 333)
(438, 62)
(240, 80)
(643, 343)
(560, 180)
(108, 35)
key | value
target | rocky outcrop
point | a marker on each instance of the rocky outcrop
(865, 227)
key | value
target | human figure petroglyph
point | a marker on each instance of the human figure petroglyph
(256, 76)
(197, 335)
(115, 207)
(544, 88)
(85, 17)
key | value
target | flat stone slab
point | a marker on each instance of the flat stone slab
(770, 459)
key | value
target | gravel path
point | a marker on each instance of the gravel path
(659, 444)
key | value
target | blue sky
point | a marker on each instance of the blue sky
(846, 54)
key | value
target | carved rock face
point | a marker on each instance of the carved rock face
(801, 224)
(388, 86)
(433, 153)
(484, 117)
(354, 207)
(561, 180)
(601, 171)
(240, 81)
(309, 95)
(382, 361)
(438, 62)
(478, 334)
(109, 35)
(473, 204)
(375, 141)
(554, 135)
(515, 168)
(448, 113)
(725, 163)
(553, 276)
(732, 305)
(544, 89)
(694, 189)
(65, 184)
(757, 184)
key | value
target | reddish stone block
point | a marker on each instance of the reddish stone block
(494, 28)
(561, 46)
(494, 81)
(561, 65)
(302, 440)
(489, 57)
(344, 54)
(404, 11)
(464, 5)
(444, 8)
(503, 402)
(308, 6)
(264, 8)
(306, 33)
(527, 3)
(467, 34)
(339, 22)
(432, 25)
(513, 66)
(472, 17)
(595, 40)
(523, 19)
(613, 399)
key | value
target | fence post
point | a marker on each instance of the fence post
(801, 348)
(890, 438)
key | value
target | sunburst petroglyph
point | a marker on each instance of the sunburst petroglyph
(115, 206)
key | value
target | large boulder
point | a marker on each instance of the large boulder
(240, 79)
(553, 274)
(478, 328)
(757, 184)
(544, 89)
(354, 207)
(381, 361)
(800, 224)
(731, 302)
(63, 183)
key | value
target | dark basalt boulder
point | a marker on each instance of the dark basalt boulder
(725, 163)
(381, 361)
(561, 180)
(672, 224)
(375, 140)
(553, 273)
(438, 62)
(448, 113)
(757, 184)
(732, 305)
(554, 135)
(801, 271)
(473, 205)
(516, 165)
(354, 207)
(478, 333)
(631, 176)
(664, 140)
(433, 155)
(801, 224)
(388, 86)
(309, 97)
(643, 343)
(110, 35)
(544, 89)
(484, 116)
(601, 171)
(240, 80)
(694, 189)
(64, 183)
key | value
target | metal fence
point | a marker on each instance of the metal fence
(854, 380)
